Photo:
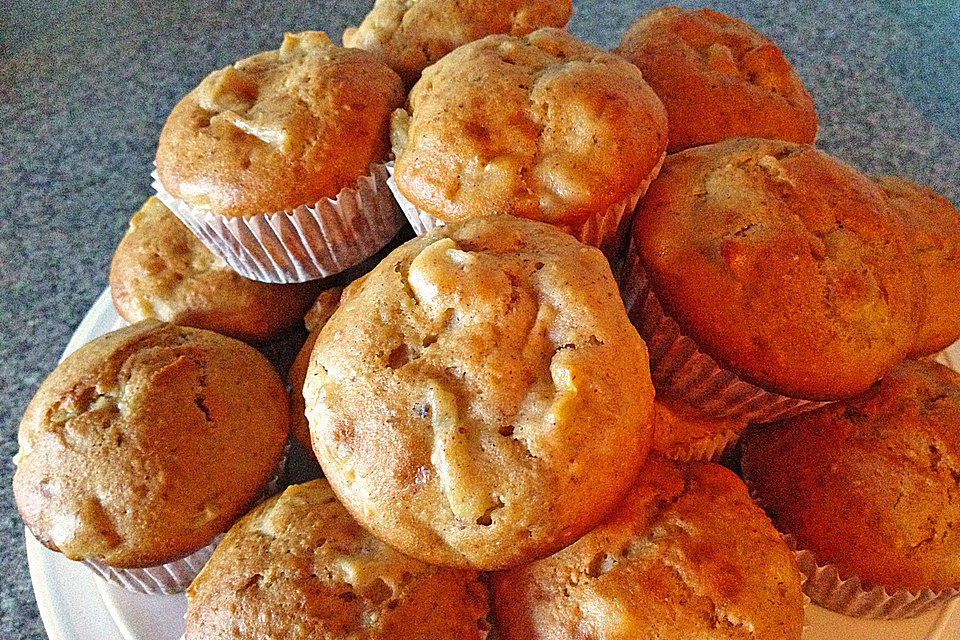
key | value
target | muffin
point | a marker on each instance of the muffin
(869, 490)
(932, 228)
(573, 137)
(275, 162)
(682, 433)
(410, 36)
(145, 445)
(686, 555)
(299, 567)
(768, 277)
(466, 395)
(718, 78)
(316, 317)
(161, 271)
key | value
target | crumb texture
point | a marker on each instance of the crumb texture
(872, 485)
(499, 351)
(148, 442)
(279, 129)
(573, 130)
(718, 78)
(410, 35)
(686, 555)
(299, 567)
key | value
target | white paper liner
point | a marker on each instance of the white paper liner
(174, 577)
(306, 243)
(605, 231)
(681, 370)
(824, 585)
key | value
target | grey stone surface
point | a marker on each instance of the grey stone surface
(85, 87)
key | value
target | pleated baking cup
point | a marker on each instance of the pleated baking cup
(305, 243)
(175, 576)
(606, 231)
(681, 370)
(825, 586)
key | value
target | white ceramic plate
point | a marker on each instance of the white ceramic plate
(75, 605)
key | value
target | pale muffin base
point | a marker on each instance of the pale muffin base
(176, 576)
(606, 231)
(705, 449)
(306, 243)
(680, 369)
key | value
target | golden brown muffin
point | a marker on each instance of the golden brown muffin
(316, 317)
(162, 271)
(686, 555)
(410, 35)
(781, 263)
(148, 442)
(718, 78)
(932, 227)
(465, 397)
(681, 432)
(871, 485)
(299, 567)
(573, 129)
(279, 129)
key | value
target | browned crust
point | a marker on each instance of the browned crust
(146, 443)
(279, 129)
(410, 36)
(687, 554)
(932, 228)
(718, 78)
(871, 485)
(573, 130)
(783, 264)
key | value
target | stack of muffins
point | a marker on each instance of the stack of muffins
(480, 399)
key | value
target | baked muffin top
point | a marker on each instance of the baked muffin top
(687, 554)
(279, 129)
(316, 317)
(299, 567)
(162, 271)
(871, 485)
(146, 443)
(465, 396)
(681, 432)
(932, 227)
(544, 127)
(718, 78)
(782, 263)
(410, 35)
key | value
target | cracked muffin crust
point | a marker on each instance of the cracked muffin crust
(871, 485)
(162, 271)
(573, 130)
(279, 129)
(718, 78)
(299, 567)
(466, 396)
(148, 442)
(783, 264)
(410, 35)
(687, 554)
(932, 227)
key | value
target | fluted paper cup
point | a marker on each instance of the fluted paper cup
(825, 586)
(606, 231)
(308, 242)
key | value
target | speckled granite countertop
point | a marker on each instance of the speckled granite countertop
(85, 88)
